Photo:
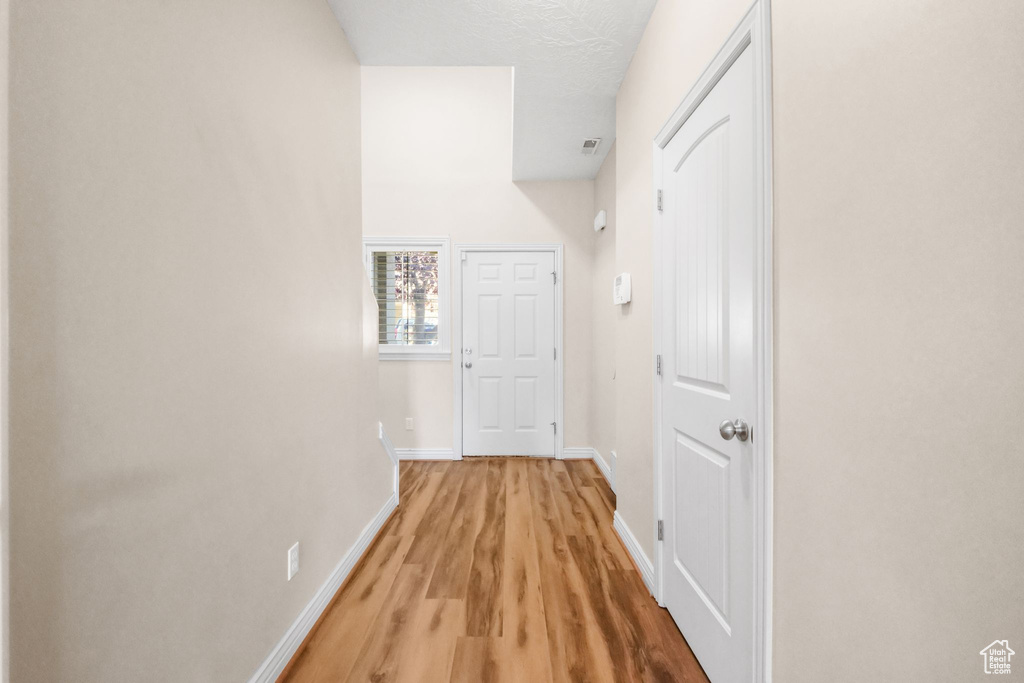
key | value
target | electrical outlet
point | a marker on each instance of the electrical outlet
(293, 560)
(408, 424)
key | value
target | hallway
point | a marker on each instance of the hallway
(497, 569)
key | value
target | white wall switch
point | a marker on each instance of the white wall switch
(293, 560)
(601, 220)
(408, 424)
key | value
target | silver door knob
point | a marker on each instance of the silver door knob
(468, 365)
(739, 429)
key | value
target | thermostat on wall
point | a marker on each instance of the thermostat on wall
(621, 291)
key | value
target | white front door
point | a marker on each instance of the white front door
(508, 364)
(708, 345)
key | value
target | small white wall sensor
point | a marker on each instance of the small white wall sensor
(601, 220)
(293, 560)
(621, 291)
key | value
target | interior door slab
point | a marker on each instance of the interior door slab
(708, 383)
(508, 363)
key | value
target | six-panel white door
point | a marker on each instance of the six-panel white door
(508, 346)
(707, 343)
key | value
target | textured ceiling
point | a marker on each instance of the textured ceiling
(569, 56)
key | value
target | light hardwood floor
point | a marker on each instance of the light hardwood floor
(497, 569)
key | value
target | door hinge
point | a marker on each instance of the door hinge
(661, 530)
(556, 354)
(554, 425)
(659, 200)
(554, 278)
(658, 368)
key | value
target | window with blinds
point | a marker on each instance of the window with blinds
(408, 282)
(406, 286)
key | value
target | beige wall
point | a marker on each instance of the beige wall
(437, 160)
(604, 316)
(898, 173)
(188, 367)
(191, 388)
(899, 177)
(681, 38)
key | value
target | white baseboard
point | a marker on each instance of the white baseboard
(643, 562)
(389, 448)
(588, 453)
(282, 653)
(425, 453)
(607, 469)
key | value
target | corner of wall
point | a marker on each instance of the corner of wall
(5, 43)
(389, 449)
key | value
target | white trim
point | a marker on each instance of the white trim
(282, 653)
(765, 484)
(442, 351)
(400, 353)
(456, 297)
(613, 465)
(588, 453)
(643, 562)
(425, 454)
(606, 468)
(754, 30)
(389, 448)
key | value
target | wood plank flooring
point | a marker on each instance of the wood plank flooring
(497, 570)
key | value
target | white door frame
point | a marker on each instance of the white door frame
(459, 252)
(753, 32)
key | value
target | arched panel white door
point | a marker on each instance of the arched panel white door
(708, 379)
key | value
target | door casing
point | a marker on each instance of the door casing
(457, 345)
(753, 32)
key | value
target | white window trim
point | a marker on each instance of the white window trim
(443, 349)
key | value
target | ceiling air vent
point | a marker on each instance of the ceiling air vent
(590, 146)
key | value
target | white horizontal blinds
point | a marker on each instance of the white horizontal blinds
(406, 286)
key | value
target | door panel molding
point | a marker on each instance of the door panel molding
(752, 32)
(459, 250)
